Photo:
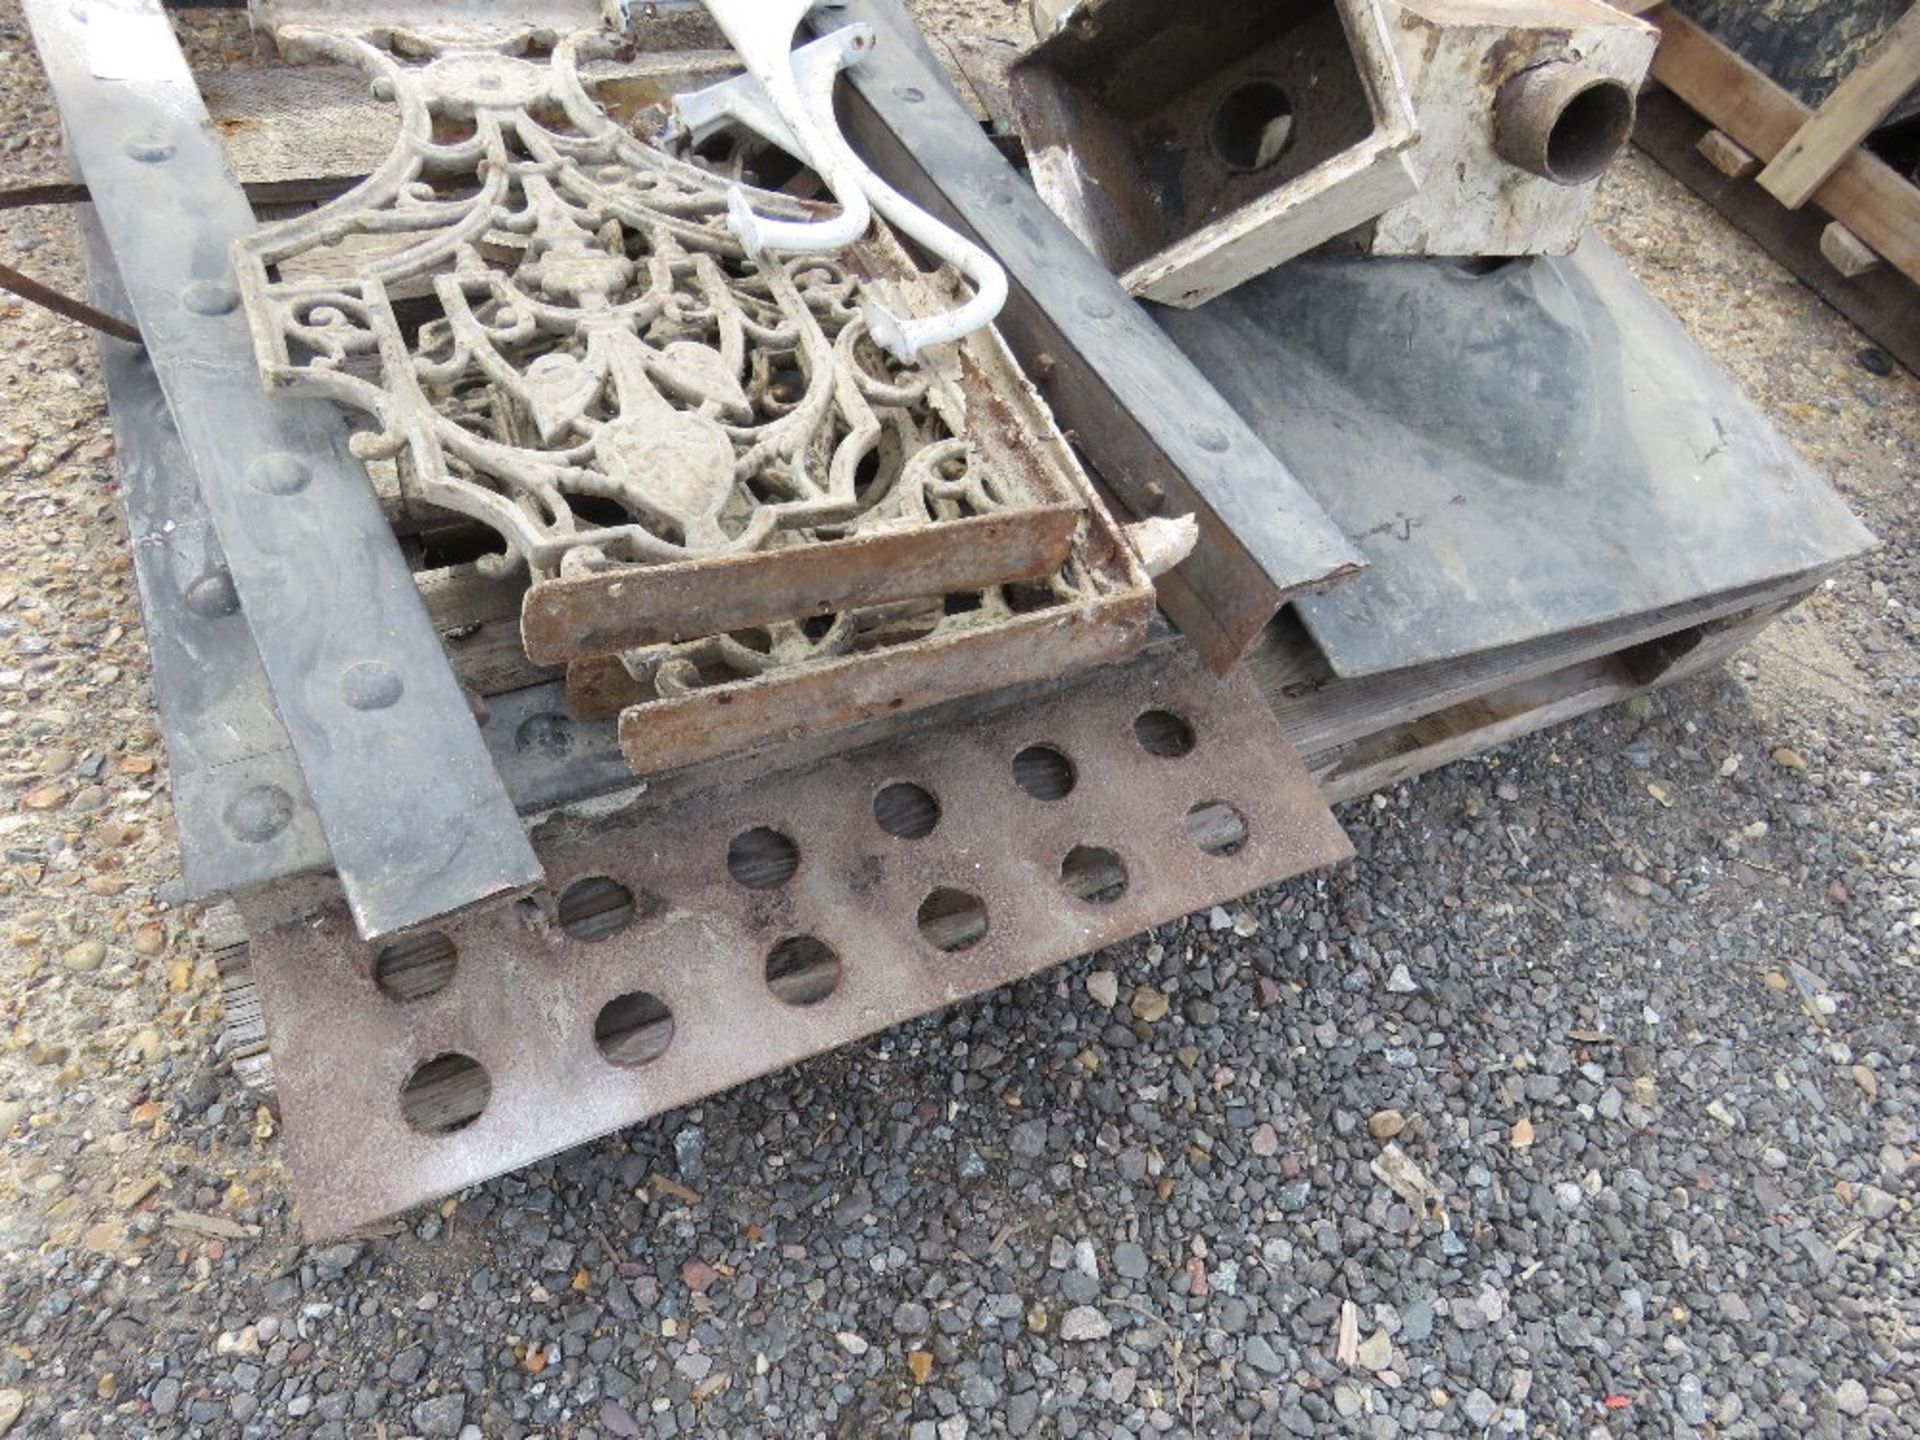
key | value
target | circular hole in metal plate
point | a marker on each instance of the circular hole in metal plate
(595, 907)
(1044, 772)
(634, 1028)
(952, 920)
(415, 967)
(1217, 828)
(445, 1094)
(802, 970)
(762, 858)
(1163, 733)
(1094, 873)
(906, 810)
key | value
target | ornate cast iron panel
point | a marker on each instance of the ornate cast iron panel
(553, 328)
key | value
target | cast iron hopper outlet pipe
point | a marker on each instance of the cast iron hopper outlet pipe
(1562, 122)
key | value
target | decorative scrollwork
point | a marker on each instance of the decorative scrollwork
(552, 328)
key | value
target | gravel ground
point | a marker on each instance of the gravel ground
(1636, 998)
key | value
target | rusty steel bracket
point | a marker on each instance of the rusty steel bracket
(1194, 147)
(719, 697)
(592, 615)
(728, 934)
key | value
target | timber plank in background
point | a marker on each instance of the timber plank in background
(1884, 303)
(1848, 116)
(1864, 193)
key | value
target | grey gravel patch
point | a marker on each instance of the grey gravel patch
(1259, 1354)
(1479, 1408)
(440, 1416)
(1851, 1396)
(1029, 1139)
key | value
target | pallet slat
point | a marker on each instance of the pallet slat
(1863, 193)
(1847, 116)
(1884, 303)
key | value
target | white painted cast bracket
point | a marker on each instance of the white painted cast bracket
(809, 73)
(761, 33)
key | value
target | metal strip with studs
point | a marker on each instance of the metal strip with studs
(729, 933)
(416, 818)
(225, 744)
(223, 735)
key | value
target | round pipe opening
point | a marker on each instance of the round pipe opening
(1592, 128)
(1561, 123)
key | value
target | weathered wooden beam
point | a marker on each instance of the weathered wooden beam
(1864, 193)
(1884, 303)
(1846, 252)
(1729, 158)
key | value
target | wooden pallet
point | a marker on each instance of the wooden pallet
(1797, 180)
(1356, 736)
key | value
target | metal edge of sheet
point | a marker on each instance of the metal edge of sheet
(226, 747)
(1520, 450)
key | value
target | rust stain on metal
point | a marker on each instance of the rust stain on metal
(525, 993)
(570, 618)
(672, 731)
(599, 687)
(1193, 148)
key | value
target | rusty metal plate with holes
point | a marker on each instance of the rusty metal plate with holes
(715, 939)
